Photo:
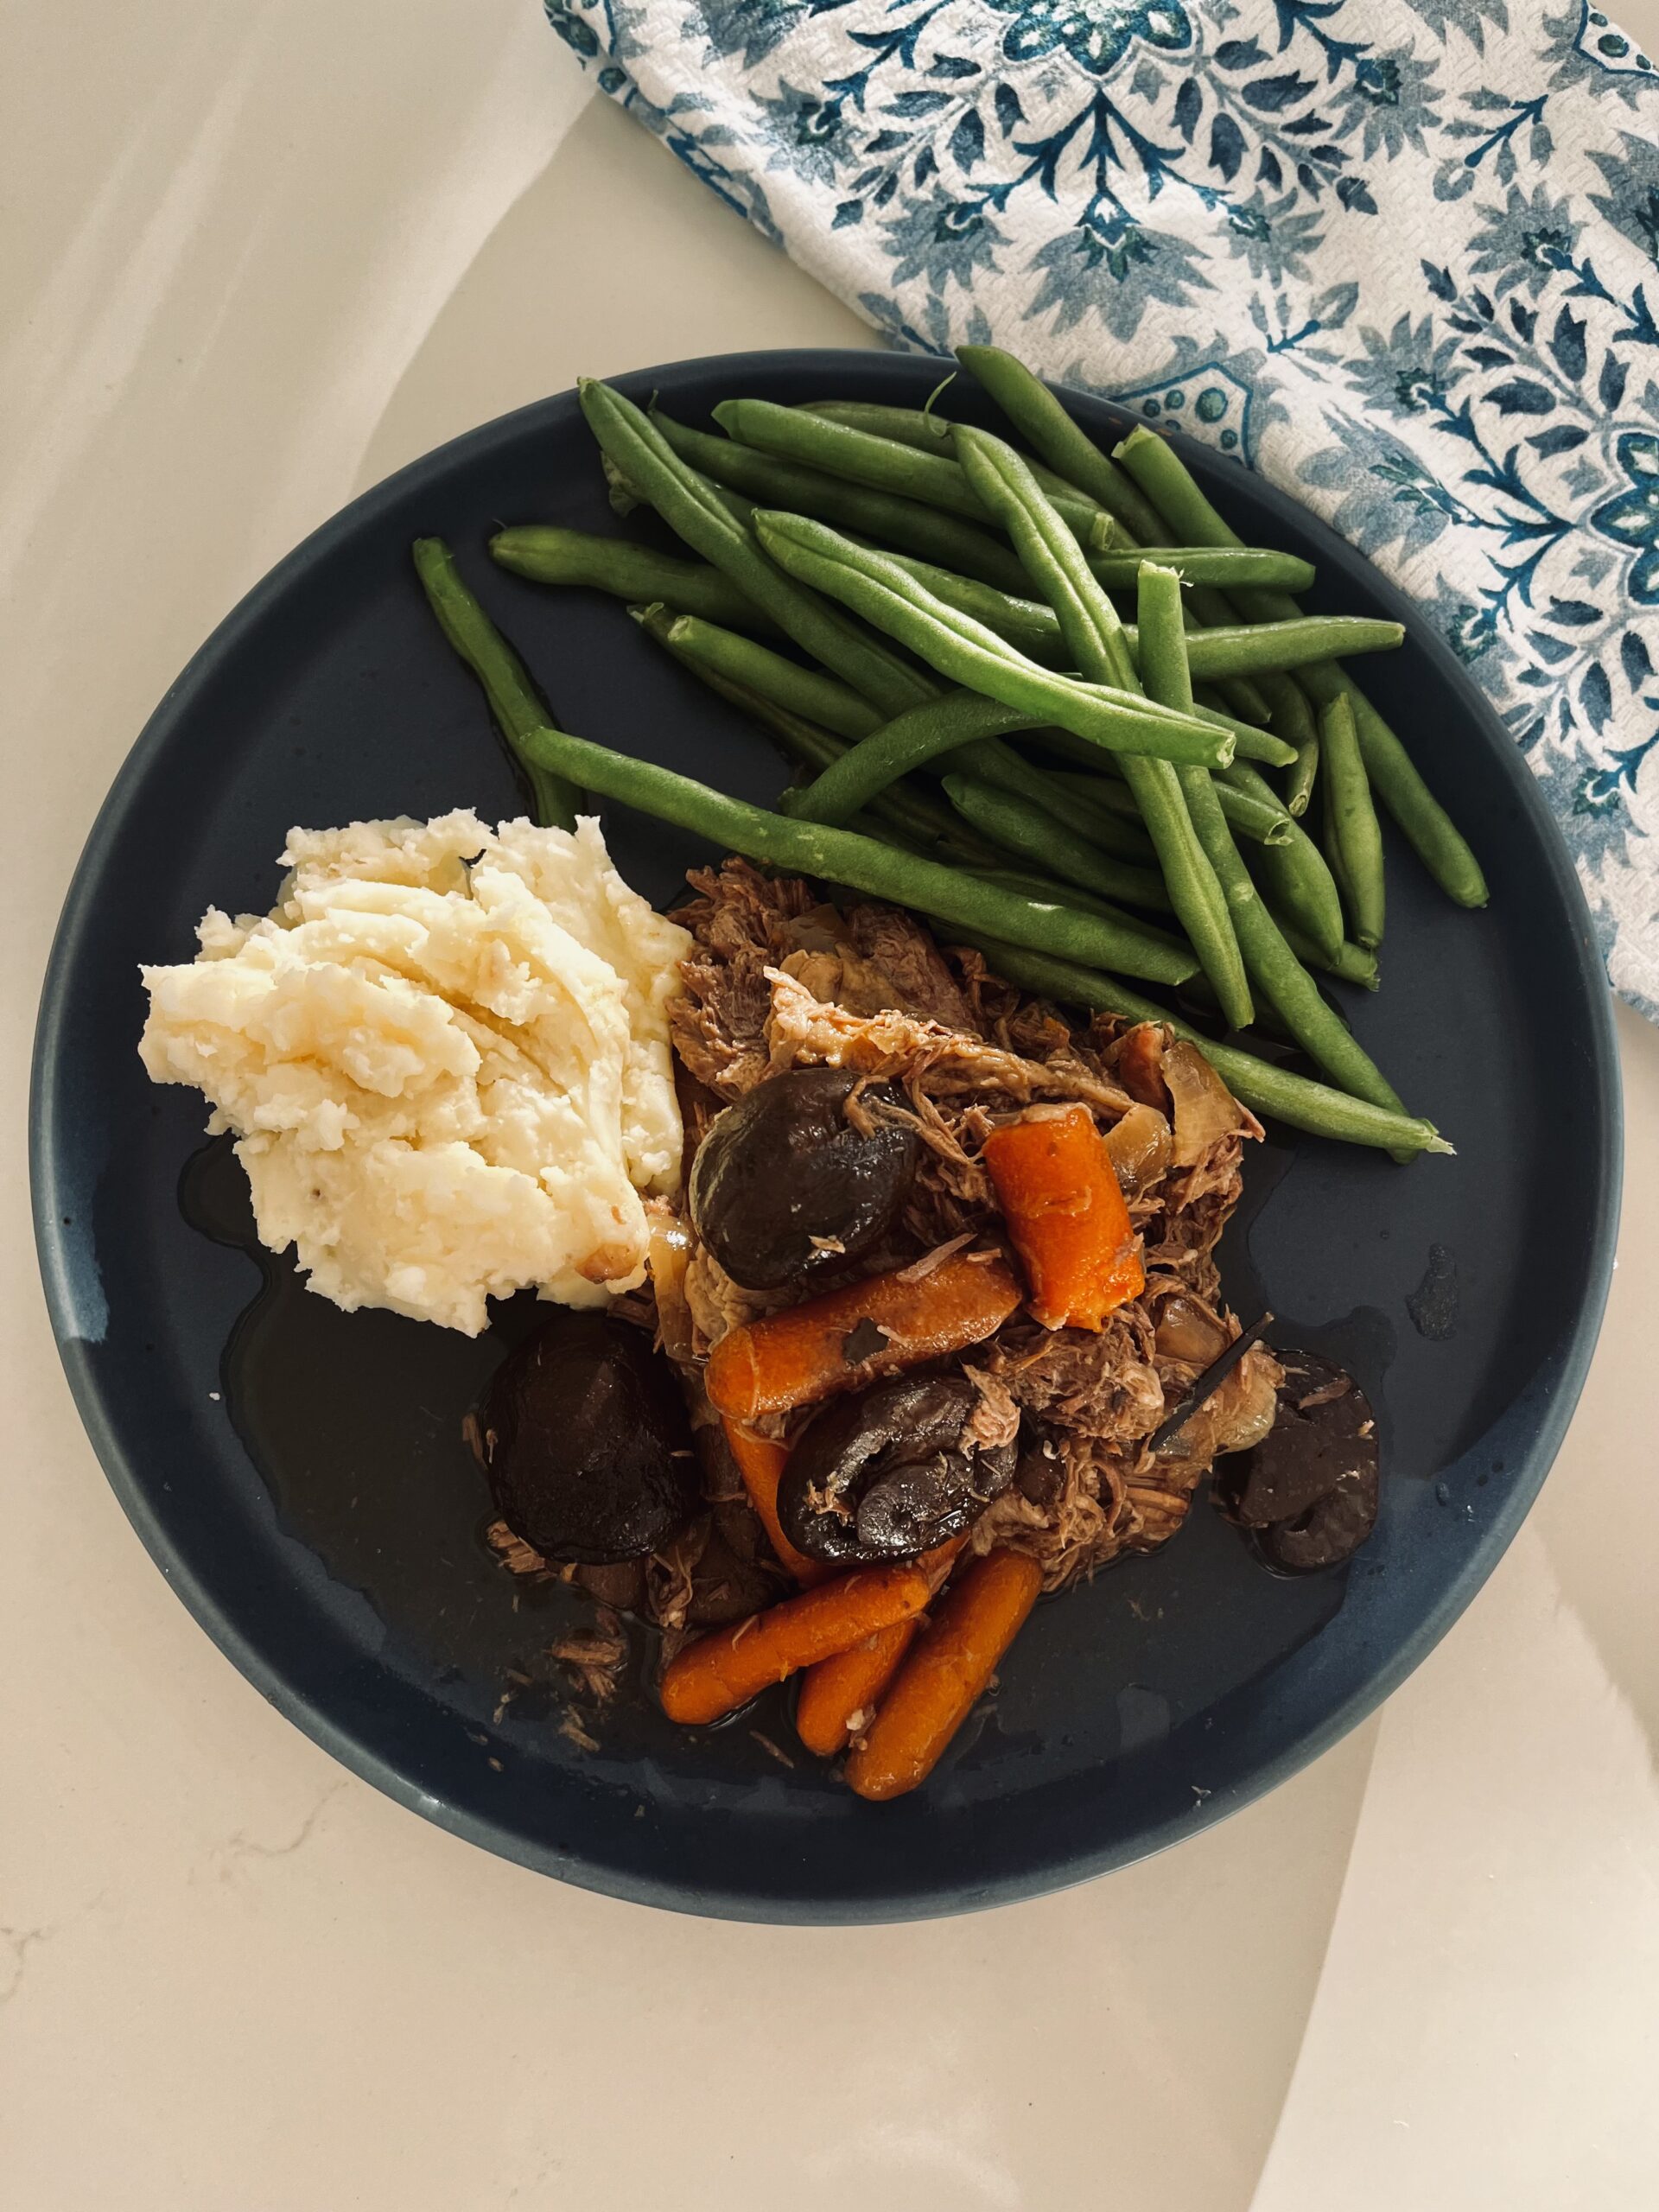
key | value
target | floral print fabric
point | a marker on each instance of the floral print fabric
(1400, 254)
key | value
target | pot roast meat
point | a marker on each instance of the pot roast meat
(778, 980)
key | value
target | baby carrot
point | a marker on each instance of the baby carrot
(761, 1463)
(934, 1690)
(839, 1696)
(839, 1693)
(1062, 1203)
(719, 1672)
(846, 1337)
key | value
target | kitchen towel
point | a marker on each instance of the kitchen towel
(1399, 255)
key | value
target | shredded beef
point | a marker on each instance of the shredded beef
(776, 978)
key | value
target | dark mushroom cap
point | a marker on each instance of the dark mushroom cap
(890, 1474)
(783, 1187)
(584, 1438)
(1330, 1531)
(1309, 1490)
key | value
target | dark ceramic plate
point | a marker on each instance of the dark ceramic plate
(298, 1473)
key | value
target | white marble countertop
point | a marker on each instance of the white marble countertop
(255, 256)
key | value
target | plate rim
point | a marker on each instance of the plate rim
(1034, 1879)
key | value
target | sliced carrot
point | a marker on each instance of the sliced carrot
(845, 1338)
(1066, 1211)
(719, 1672)
(760, 1461)
(838, 1693)
(936, 1687)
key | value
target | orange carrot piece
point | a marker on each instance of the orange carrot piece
(839, 1693)
(935, 1689)
(1065, 1208)
(760, 1461)
(721, 1671)
(845, 1338)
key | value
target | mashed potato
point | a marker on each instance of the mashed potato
(445, 1058)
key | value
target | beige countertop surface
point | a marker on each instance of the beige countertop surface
(255, 256)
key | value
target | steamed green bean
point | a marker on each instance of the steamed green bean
(968, 654)
(515, 702)
(844, 856)
(1435, 837)
(770, 480)
(868, 664)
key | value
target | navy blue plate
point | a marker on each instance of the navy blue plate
(299, 1475)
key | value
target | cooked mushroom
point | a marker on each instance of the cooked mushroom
(1309, 1489)
(891, 1473)
(1327, 1533)
(585, 1442)
(787, 1187)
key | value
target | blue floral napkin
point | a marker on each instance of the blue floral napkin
(1399, 255)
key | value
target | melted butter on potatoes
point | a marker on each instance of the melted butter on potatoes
(444, 1054)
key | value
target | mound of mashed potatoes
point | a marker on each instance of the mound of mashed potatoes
(444, 1055)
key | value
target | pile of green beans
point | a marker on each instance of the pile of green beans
(1167, 483)
(1040, 692)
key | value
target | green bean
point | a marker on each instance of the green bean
(1304, 774)
(878, 462)
(803, 691)
(1263, 822)
(1070, 894)
(935, 731)
(842, 856)
(868, 664)
(1022, 622)
(1045, 425)
(1250, 743)
(1295, 875)
(1274, 1092)
(1001, 480)
(1292, 720)
(1010, 494)
(1087, 803)
(960, 732)
(1351, 829)
(1273, 966)
(928, 433)
(1257, 650)
(1036, 835)
(1246, 649)
(1352, 963)
(515, 702)
(921, 819)
(1202, 565)
(1428, 827)
(992, 762)
(962, 651)
(1100, 788)
(547, 553)
(1241, 694)
(772, 481)
(1262, 565)
(906, 426)
(1164, 670)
